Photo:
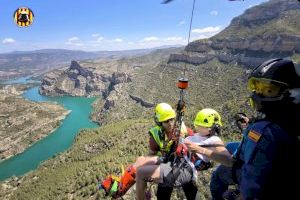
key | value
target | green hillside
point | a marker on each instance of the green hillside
(125, 119)
(260, 21)
(76, 173)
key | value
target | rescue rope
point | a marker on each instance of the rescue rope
(190, 30)
(182, 84)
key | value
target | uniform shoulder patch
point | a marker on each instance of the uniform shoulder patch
(254, 136)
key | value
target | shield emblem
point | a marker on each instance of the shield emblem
(23, 17)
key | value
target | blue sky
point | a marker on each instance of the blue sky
(94, 25)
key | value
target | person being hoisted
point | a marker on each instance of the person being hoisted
(161, 169)
(180, 168)
(160, 144)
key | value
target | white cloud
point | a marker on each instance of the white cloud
(118, 40)
(95, 35)
(214, 12)
(74, 41)
(205, 32)
(181, 23)
(90, 44)
(8, 41)
(252, 5)
(150, 42)
(209, 29)
(174, 39)
(99, 39)
(150, 39)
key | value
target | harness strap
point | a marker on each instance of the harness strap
(212, 145)
(192, 166)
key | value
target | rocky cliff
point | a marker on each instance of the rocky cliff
(269, 30)
(120, 83)
(80, 81)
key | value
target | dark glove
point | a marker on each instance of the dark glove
(241, 121)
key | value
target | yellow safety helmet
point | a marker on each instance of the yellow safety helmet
(164, 112)
(207, 117)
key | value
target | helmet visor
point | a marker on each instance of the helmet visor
(266, 87)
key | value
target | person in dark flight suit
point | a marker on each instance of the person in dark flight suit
(266, 163)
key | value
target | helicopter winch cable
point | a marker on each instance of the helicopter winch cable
(190, 30)
(182, 84)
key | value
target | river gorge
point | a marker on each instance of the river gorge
(56, 142)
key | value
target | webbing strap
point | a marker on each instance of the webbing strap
(212, 145)
(193, 168)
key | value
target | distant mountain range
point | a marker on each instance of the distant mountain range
(22, 63)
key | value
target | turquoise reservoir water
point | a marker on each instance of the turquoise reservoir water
(58, 141)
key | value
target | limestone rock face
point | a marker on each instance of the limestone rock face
(120, 77)
(142, 102)
(269, 30)
(268, 43)
(266, 12)
(80, 81)
(192, 59)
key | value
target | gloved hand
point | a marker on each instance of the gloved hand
(241, 121)
(181, 150)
